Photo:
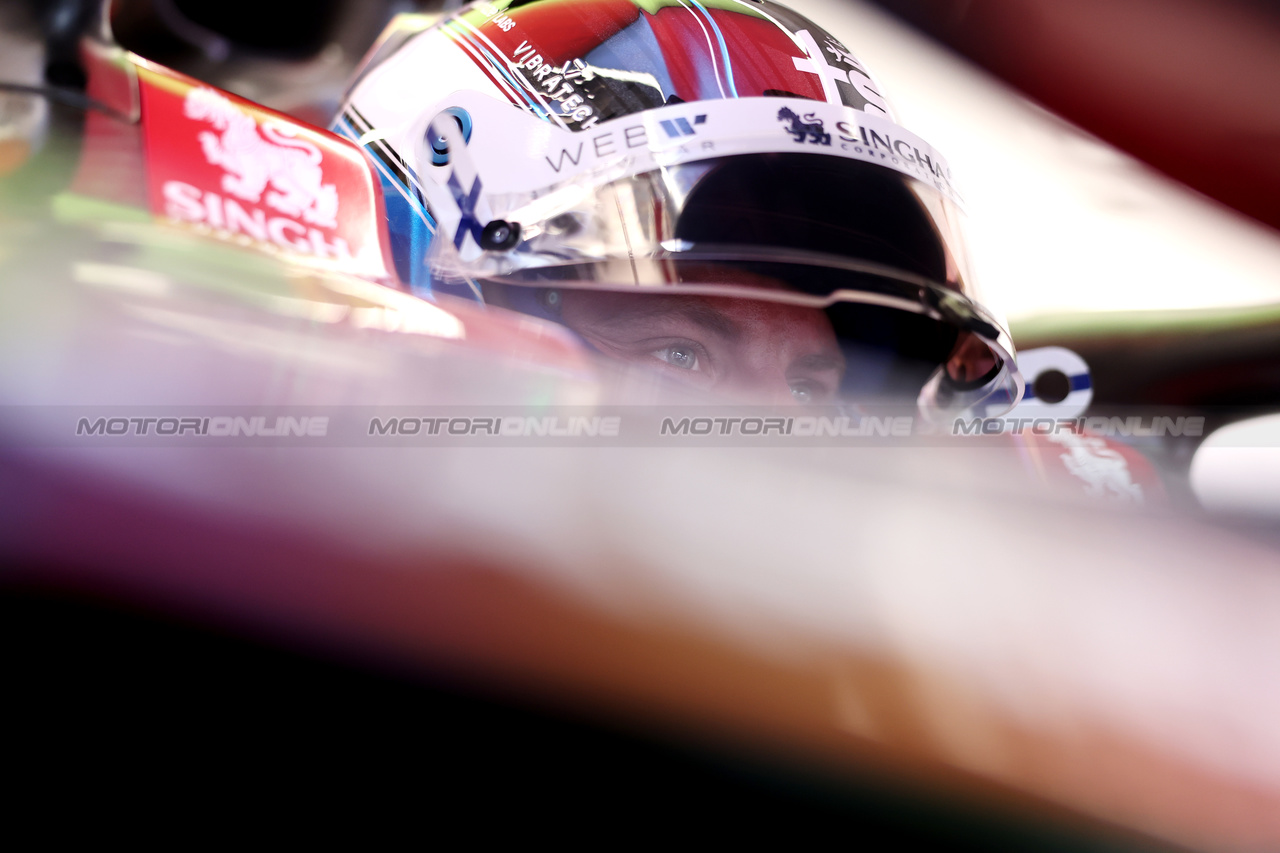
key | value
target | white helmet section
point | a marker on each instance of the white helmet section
(533, 171)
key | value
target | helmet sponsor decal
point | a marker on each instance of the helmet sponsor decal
(807, 129)
(683, 133)
(558, 84)
(498, 18)
(681, 126)
(843, 78)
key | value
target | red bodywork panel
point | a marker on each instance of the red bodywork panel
(205, 159)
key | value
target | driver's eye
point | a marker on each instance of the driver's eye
(802, 393)
(678, 356)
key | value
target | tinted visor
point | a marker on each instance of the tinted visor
(807, 203)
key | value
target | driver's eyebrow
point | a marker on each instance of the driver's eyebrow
(693, 310)
(818, 361)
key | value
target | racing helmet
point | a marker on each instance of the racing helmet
(645, 171)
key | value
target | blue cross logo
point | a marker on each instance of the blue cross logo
(468, 224)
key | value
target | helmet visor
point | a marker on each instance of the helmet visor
(803, 220)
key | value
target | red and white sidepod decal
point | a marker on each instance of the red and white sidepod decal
(251, 175)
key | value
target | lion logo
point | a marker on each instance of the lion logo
(809, 127)
(256, 160)
(1105, 472)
